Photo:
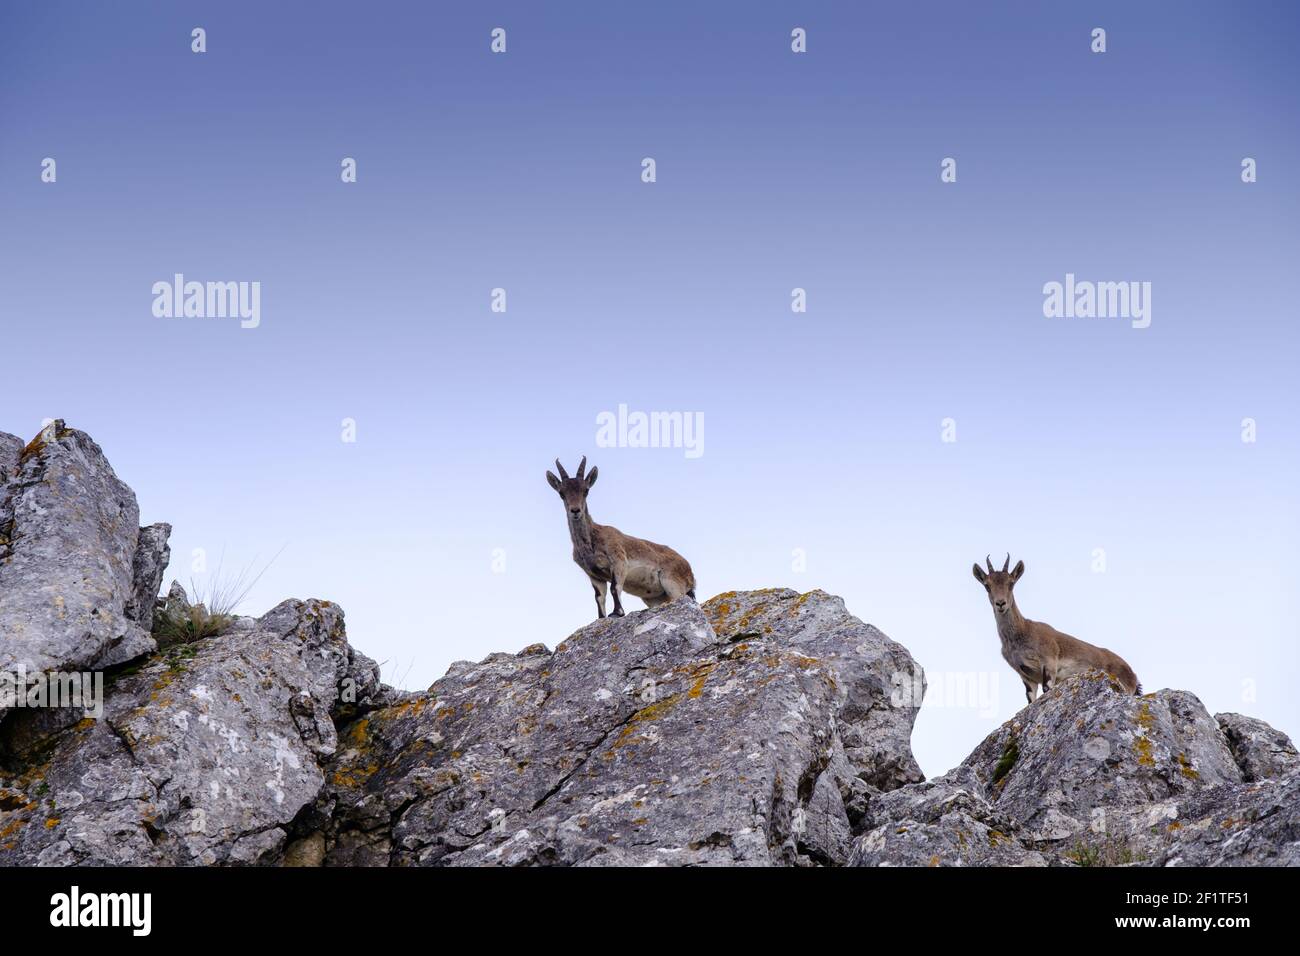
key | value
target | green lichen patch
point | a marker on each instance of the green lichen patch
(1010, 754)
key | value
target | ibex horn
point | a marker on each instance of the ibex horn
(989, 561)
(582, 466)
(1007, 563)
(564, 475)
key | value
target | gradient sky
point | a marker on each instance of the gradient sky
(775, 171)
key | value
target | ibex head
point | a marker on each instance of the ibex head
(999, 583)
(573, 491)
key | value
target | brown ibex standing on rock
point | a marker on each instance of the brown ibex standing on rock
(654, 573)
(1039, 653)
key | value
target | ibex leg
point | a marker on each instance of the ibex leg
(615, 586)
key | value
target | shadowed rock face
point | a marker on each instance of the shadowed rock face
(1090, 775)
(761, 728)
(11, 450)
(1261, 752)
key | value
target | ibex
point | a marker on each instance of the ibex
(654, 573)
(1038, 652)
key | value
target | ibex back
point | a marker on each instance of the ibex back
(611, 559)
(1038, 652)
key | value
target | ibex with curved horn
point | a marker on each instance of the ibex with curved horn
(611, 559)
(1039, 653)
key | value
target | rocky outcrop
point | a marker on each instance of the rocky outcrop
(760, 728)
(11, 451)
(152, 555)
(1090, 775)
(751, 730)
(69, 536)
(1261, 752)
(204, 754)
(882, 686)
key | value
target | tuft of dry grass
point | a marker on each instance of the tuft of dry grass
(213, 609)
(190, 624)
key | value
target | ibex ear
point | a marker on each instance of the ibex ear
(1018, 570)
(553, 481)
(591, 476)
(979, 573)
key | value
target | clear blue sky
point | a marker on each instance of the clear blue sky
(775, 171)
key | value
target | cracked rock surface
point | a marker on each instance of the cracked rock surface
(746, 731)
(1088, 775)
(205, 753)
